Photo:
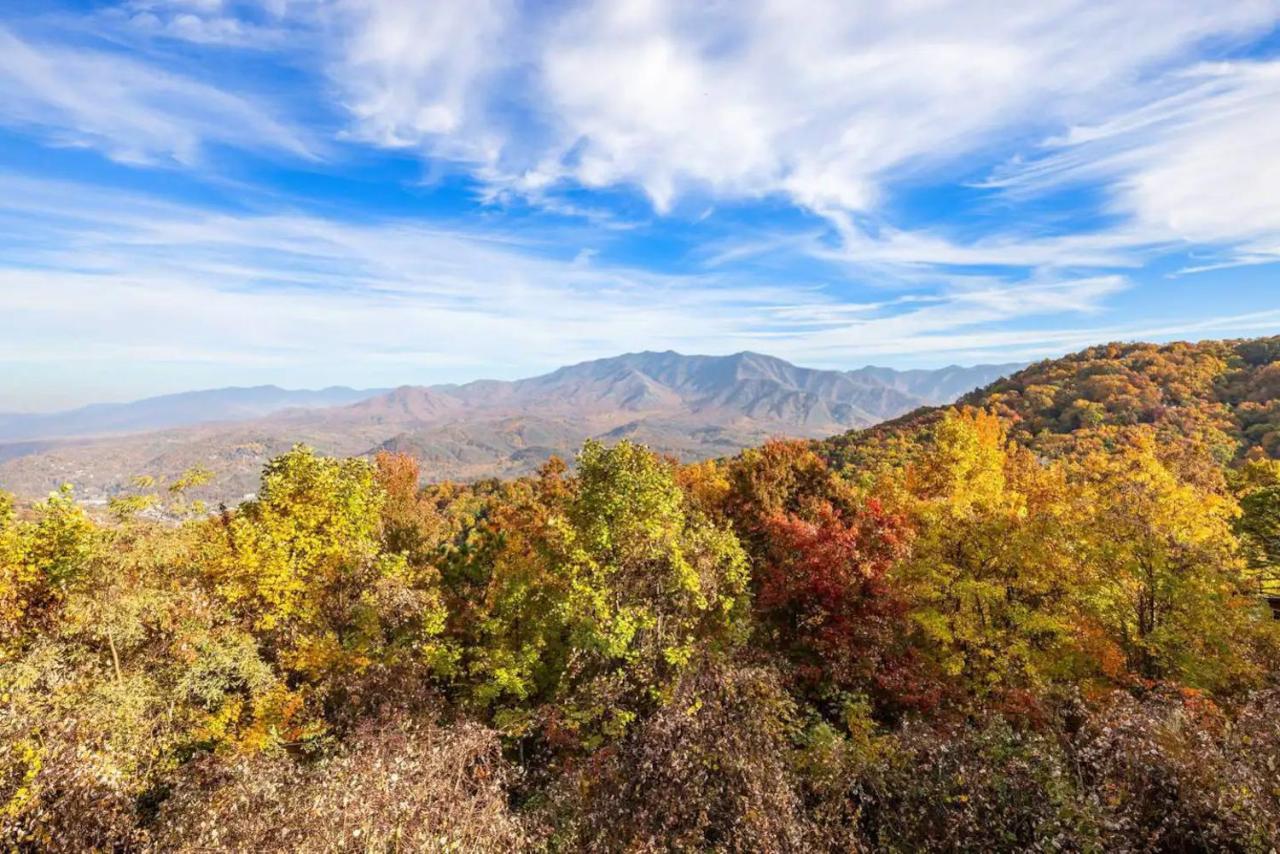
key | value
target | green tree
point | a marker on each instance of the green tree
(601, 598)
(1258, 527)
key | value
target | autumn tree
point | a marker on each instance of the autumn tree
(1167, 559)
(991, 575)
(779, 477)
(304, 564)
(411, 523)
(601, 598)
(827, 603)
(40, 559)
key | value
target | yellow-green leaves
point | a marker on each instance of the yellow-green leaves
(40, 558)
(313, 525)
(598, 596)
(305, 564)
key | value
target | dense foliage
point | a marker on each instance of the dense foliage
(1033, 621)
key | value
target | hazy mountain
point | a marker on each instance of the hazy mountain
(172, 410)
(940, 385)
(750, 381)
(689, 406)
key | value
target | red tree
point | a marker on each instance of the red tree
(826, 596)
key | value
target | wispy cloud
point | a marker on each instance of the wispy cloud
(831, 105)
(820, 102)
(825, 104)
(228, 23)
(132, 111)
(1200, 166)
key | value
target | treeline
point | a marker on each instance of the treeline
(1031, 622)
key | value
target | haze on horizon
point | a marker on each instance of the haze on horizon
(307, 193)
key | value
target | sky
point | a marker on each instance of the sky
(202, 193)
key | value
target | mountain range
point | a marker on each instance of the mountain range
(171, 410)
(689, 406)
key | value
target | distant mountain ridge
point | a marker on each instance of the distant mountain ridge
(634, 379)
(688, 406)
(172, 410)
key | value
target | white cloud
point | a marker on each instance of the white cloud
(1200, 166)
(821, 102)
(130, 110)
(826, 104)
(256, 24)
(413, 70)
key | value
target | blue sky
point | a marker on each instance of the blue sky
(198, 193)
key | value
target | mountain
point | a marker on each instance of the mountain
(941, 385)
(1226, 393)
(171, 410)
(687, 406)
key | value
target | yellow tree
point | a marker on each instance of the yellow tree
(304, 565)
(991, 574)
(39, 560)
(1167, 557)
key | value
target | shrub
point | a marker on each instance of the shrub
(400, 785)
(976, 787)
(1177, 774)
(57, 796)
(707, 772)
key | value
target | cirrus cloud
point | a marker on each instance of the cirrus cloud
(132, 111)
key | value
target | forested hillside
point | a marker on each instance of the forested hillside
(1223, 393)
(1032, 621)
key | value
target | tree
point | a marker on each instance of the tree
(305, 566)
(602, 597)
(785, 477)
(1258, 526)
(410, 523)
(991, 576)
(39, 561)
(826, 602)
(1167, 559)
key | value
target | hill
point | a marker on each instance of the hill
(691, 407)
(1227, 392)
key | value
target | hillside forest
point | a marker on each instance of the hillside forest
(1035, 620)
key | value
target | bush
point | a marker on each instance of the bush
(976, 787)
(707, 772)
(56, 796)
(398, 786)
(1177, 774)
